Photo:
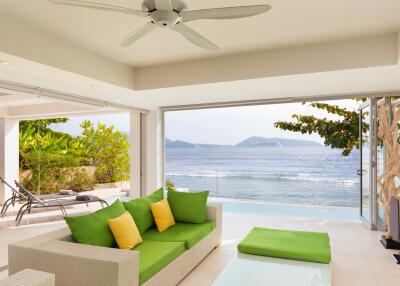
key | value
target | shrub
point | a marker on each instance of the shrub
(170, 185)
(81, 181)
(50, 173)
(108, 152)
(56, 160)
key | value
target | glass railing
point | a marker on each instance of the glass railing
(313, 183)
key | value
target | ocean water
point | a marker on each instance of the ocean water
(306, 175)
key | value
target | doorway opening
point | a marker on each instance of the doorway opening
(262, 158)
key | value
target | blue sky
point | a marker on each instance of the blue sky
(119, 120)
(220, 125)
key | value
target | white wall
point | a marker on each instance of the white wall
(9, 155)
(25, 41)
(372, 51)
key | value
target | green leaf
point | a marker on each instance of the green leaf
(342, 133)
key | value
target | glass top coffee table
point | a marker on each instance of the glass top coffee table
(251, 270)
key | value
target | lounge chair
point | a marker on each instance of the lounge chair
(49, 201)
(36, 202)
(15, 198)
(18, 196)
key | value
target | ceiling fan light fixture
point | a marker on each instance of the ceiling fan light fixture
(172, 14)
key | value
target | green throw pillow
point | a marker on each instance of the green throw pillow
(141, 212)
(157, 195)
(93, 228)
(188, 207)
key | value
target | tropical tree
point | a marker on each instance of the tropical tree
(56, 160)
(48, 158)
(341, 133)
(37, 144)
(107, 150)
(41, 126)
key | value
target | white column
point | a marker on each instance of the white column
(152, 151)
(398, 47)
(9, 155)
(135, 154)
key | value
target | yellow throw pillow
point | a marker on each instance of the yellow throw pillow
(162, 215)
(125, 231)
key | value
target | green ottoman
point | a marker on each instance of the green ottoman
(295, 245)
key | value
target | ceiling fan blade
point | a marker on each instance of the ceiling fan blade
(100, 6)
(194, 37)
(164, 5)
(138, 34)
(224, 13)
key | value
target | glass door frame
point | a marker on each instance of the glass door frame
(371, 222)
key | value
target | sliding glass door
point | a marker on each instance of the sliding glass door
(380, 167)
(368, 164)
(365, 163)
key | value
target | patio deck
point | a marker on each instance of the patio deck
(54, 214)
(357, 254)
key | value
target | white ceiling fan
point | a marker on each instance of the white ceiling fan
(171, 14)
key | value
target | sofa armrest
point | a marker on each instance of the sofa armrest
(214, 213)
(76, 264)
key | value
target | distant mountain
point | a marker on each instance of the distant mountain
(254, 141)
(183, 144)
(179, 144)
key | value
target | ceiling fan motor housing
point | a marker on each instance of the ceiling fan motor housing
(165, 19)
(177, 5)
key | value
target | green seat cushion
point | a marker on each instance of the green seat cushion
(296, 245)
(141, 212)
(93, 228)
(189, 233)
(155, 255)
(188, 207)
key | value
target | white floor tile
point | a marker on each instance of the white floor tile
(358, 256)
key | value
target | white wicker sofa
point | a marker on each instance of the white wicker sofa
(84, 265)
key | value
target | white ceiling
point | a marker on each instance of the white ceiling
(289, 23)
(43, 76)
(13, 99)
(323, 85)
(26, 105)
